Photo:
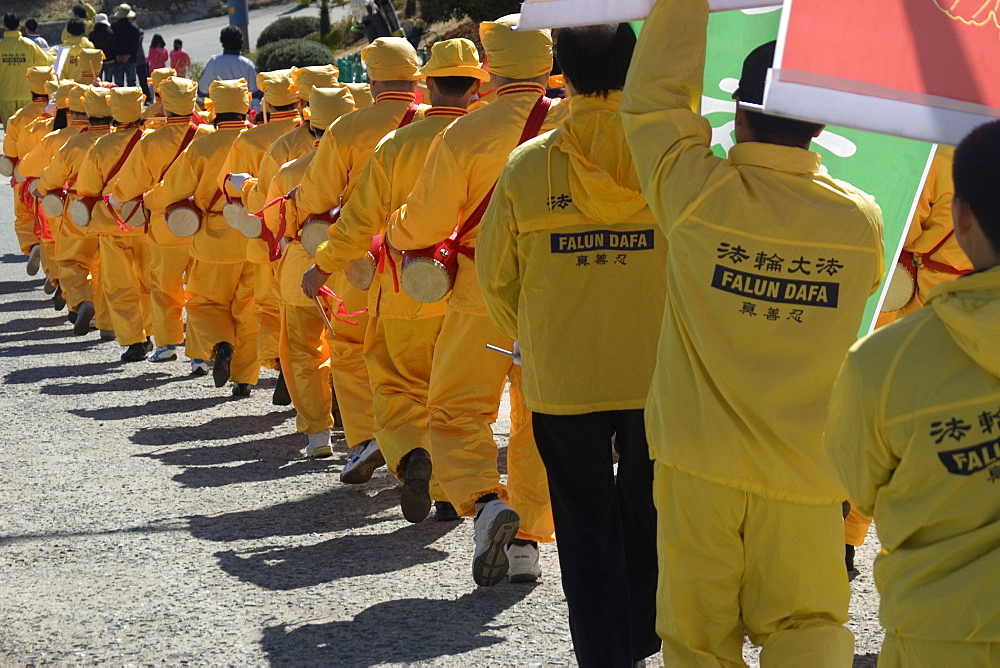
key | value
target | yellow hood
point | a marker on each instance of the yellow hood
(970, 310)
(602, 179)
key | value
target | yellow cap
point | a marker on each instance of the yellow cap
(61, 90)
(126, 104)
(230, 96)
(362, 94)
(454, 58)
(328, 104)
(277, 87)
(37, 77)
(516, 54)
(75, 95)
(97, 101)
(178, 95)
(90, 62)
(159, 74)
(390, 59)
(304, 79)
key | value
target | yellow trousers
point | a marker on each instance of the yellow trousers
(908, 652)
(856, 527)
(24, 224)
(398, 354)
(167, 267)
(79, 271)
(305, 359)
(467, 383)
(347, 360)
(729, 559)
(125, 279)
(267, 313)
(221, 309)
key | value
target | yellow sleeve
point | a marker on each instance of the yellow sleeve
(55, 174)
(497, 260)
(11, 133)
(90, 182)
(434, 207)
(180, 182)
(853, 438)
(325, 178)
(233, 158)
(259, 194)
(670, 141)
(363, 217)
(134, 178)
(272, 217)
(36, 160)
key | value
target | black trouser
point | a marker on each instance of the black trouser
(605, 532)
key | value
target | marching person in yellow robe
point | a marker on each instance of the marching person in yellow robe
(17, 54)
(304, 344)
(282, 113)
(221, 323)
(467, 380)
(24, 216)
(168, 253)
(770, 264)
(399, 343)
(77, 252)
(925, 461)
(329, 181)
(154, 116)
(123, 251)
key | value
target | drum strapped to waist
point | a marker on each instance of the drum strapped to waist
(7, 165)
(236, 215)
(902, 284)
(33, 189)
(316, 229)
(183, 218)
(428, 274)
(135, 213)
(361, 272)
(81, 210)
(54, 203)
(18, 176)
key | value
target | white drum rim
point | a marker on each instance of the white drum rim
(361, 272)
(53, 205)
(422, 285)
(6, 166)
(186, 225)
(901, 283)
(231, 211)
(249, 226)
(74, 208)
(311, 229)
(128, 218)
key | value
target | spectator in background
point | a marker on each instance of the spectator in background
(103, 39)
(158, 55)
(229, 64)
(17, 54)
(142, 74)
(128, 43)
(85, 13)
(75, 42)
(31, 32)
(179, 59)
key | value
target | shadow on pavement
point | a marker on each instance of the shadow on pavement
(29, 305)
(287, 568)
(340, 509)
(50, 348)
(161, 407)
(217, 429)
(28, 284)
(11, 258)
(412, 630)
(138, 383)
(25, 325)
(41, 373)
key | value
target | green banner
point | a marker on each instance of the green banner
(888, 168)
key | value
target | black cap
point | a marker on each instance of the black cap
(754, 75)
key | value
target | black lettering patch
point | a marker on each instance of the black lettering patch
(774, 289)
(602, 240)
(973, 459)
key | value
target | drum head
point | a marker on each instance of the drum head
(250, 226)
(183, 221)
(33, 189)
(312, 235)
(232, 213)
(425, 280)
(18, 176)
(79, 213)
(900, 290)
(6, 166)
(53, 205)
(361, 272)
(139, 219)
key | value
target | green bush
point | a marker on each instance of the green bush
(287, 53)
(287, 27)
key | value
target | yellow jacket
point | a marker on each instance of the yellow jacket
(196, 173)
(294, 260)
(34, 162)
(17, 54)
(146, 166)
(154, 116)
(65, 167)
(914, 432)
(462, 166)
(17, 123)
(93, 180)
(76, 44)
(769, 266)
(382, 188)
(345, 148)
(575, 271)
(293, 144)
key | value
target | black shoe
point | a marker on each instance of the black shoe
(48, 287)
(223, 357)
(84, 315)
(241, 390)
(134, 353)
(338, 420)
(58, 300)
(445, 512)
(281, 397)
(71, 317)
(415, 499)
(852, 572)
(147, 345)
(107, 335)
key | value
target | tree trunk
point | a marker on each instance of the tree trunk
(324, 18)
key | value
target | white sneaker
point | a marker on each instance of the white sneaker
(364, 459)
(163, 354)
(319, 445)
(198, 367)
(496, 526)
(524, 564)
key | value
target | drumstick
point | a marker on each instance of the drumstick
(326, 318)
(498, 349)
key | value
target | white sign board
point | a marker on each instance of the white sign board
(560, 13)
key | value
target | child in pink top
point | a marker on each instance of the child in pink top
(179, 58)
(157, 57)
